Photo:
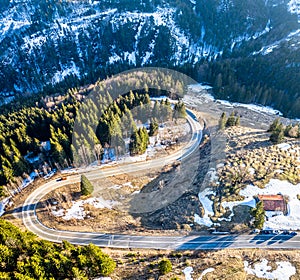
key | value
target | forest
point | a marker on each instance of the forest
(25, 257)
(103, 119)
(255, 81)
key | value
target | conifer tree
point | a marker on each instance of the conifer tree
(277, 135)
(237, 121)
(259, 215)
(179, 110)
(231, 120)
(165, 266)
(156, 110)
(57, 152)
(153, 128)
(139, 142)
(86, 187)
(165, 110)
(222, 121)
(274, 125)
(145, 139)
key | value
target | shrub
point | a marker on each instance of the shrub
(165, 266)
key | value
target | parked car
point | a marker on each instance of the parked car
(267, 231)
(287, 232)
(61, 179)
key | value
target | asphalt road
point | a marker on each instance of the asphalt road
(191, 242)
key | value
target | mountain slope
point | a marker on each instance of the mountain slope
(44, 41)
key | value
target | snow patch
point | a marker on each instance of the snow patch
(256, 108)
(206, 271)
(283, 271)
(248, 201)
(33, 41)
(199, 88)
(3, 204)
(189, 270)
(213, 175)
(284, 146)
(58, 213)
(77, 211)
(188, 273)
(294, 7)
(270, 48)
(225, 6)
(60, 75)
(207, 206)
(130, 57)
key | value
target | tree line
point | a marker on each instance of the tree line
(251, 81)
(104, 117)
(21, 133)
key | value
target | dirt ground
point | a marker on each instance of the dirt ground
(174, 205)
(227, 264)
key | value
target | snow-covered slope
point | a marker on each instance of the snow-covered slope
(43, 42)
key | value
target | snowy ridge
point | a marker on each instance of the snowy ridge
(77, 37)
(184, 49)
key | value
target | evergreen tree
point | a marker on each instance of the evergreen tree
(128, 124)
(2, 191)
(259, 215)
(231, 120)
(277, 136)
(145, 139)
(274, 125)
(139, 142)
(179, 110)
(135, 143)
(142, 113)
(156, 110)
(153, 128)
(86, 187)
(287, 130)
(222, 121)
(237, 121)
(24, 257)
(57, 152)
(165, 110)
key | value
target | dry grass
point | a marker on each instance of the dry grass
(228, 264)
(250, 149)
